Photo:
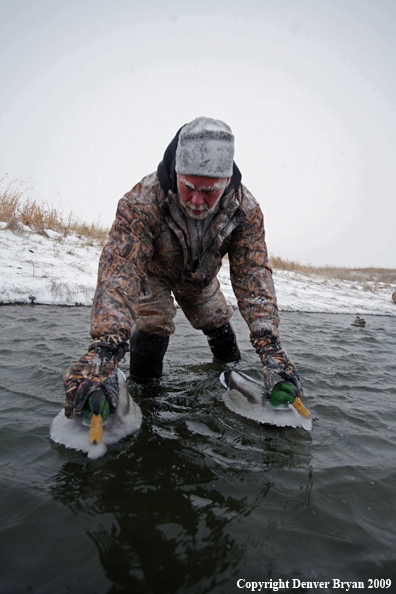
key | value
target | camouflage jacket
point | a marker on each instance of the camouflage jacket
(149, 234)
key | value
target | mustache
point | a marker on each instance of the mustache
(197, 208)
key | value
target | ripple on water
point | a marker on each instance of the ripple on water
(210, 495)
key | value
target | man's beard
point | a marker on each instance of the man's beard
(203, 208)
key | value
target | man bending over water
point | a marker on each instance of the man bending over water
(171, 232)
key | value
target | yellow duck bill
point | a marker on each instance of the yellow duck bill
(96, 430)
(300, 408)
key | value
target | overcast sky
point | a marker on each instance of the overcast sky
(92, 91)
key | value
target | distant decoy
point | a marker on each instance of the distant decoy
(359, 322)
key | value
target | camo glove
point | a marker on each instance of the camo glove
(94, 369)
(275, 362)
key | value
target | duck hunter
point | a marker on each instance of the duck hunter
(171, 232)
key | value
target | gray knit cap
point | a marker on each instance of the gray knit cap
(205, 147)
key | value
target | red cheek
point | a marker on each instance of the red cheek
(210, 201)
(185, 195)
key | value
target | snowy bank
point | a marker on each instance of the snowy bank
(57, 270)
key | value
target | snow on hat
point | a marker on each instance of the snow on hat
(205, 147)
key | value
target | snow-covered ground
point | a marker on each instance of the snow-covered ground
(59, 270)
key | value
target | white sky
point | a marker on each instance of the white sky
(92, 92)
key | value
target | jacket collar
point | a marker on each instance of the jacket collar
(229, 215)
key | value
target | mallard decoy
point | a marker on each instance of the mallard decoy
(358, 321)
(98, 427)
(248, 397)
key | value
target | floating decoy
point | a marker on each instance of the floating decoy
(358, 321)
(248, 397)
(98, 427)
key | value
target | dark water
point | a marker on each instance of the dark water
(199, 498)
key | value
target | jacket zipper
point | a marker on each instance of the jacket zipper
(197, 262)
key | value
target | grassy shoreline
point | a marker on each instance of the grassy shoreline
(15, 210)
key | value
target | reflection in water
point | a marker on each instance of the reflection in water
(169, 496)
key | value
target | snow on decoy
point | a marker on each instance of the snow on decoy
(248, 397)
(98, 427)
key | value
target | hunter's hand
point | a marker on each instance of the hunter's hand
(94, 369)
(275, 361)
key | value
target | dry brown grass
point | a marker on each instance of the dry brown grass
(358, 275)
(10, 198)
(278, 263)
(15, 210)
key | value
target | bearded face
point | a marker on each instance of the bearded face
(199, 195)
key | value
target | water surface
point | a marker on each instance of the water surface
(199, 497)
